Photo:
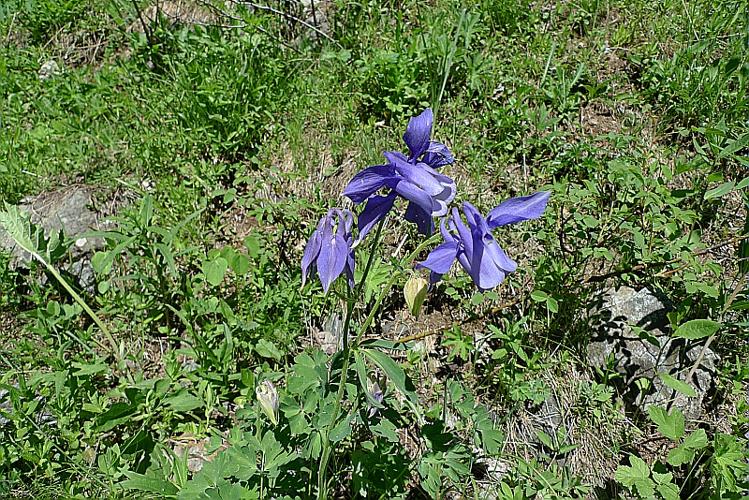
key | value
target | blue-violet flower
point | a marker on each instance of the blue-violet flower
(474, 246)
(329, 248)
(413, 177)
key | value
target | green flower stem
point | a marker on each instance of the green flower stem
(370, 317)
(353, 298)
(81, 302)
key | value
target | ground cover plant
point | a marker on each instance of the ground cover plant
(374, 249)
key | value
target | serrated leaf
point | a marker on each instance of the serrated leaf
(679, 456)
(677, 385)
(671, 424)
(697, 329)
(696, 440)
(630, 475)
(18, 226)
(668, 491)
(385, 429)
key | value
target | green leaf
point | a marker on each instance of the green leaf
(215, 270)
(18, 226)
(677, 385)
(546, 440)
(671, 424)
(719, 191)
(680, 456)
(268, 349)
(684, 453)
(539, 295)
(696, 440)
(637, 471)
(83, 369)
(183, 401)
(697, 329)
(240, 264)
(669, 491)
(393, 371)
(139, 482)
(385, 429)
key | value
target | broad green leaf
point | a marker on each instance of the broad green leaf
(240, 264)
(183, 401)
(677, 385)
(539, 295)
(385, 429)
(671, 424)
(685, 452)
(696, 440)
(630, 475)
(697, 329)
(719, 191)
(342, 429)
(393, 371)
(668, 491)
(680, 455)
(215, 270)
(268, 349)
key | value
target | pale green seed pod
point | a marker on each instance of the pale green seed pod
(415, 292)
(267, 396)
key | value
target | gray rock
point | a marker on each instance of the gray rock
(49, 69)
(630, 337)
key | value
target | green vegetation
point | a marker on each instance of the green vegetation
(214, 138)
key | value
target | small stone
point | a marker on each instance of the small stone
(49, 69)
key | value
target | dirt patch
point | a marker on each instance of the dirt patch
(598, 119)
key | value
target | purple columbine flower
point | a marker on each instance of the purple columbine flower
(413, 177)
(329, 248)
(474, 246)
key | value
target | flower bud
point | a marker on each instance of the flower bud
(373, 388)
(415, 293)
(267, 396)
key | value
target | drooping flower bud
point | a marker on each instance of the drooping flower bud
(267, 396)
(415, 292)
(373, 388)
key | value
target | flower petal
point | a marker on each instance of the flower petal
(518, 209)
(420, 217)
(374, 211)
(332, 257)
(311, 251)
(485, 270)
(441, 259)
(369, 181)
(415, 194)
(437, 155)
(418, 132)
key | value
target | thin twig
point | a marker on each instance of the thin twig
(241, 26)
(648, 265)
(289, 17)
(146, 28)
